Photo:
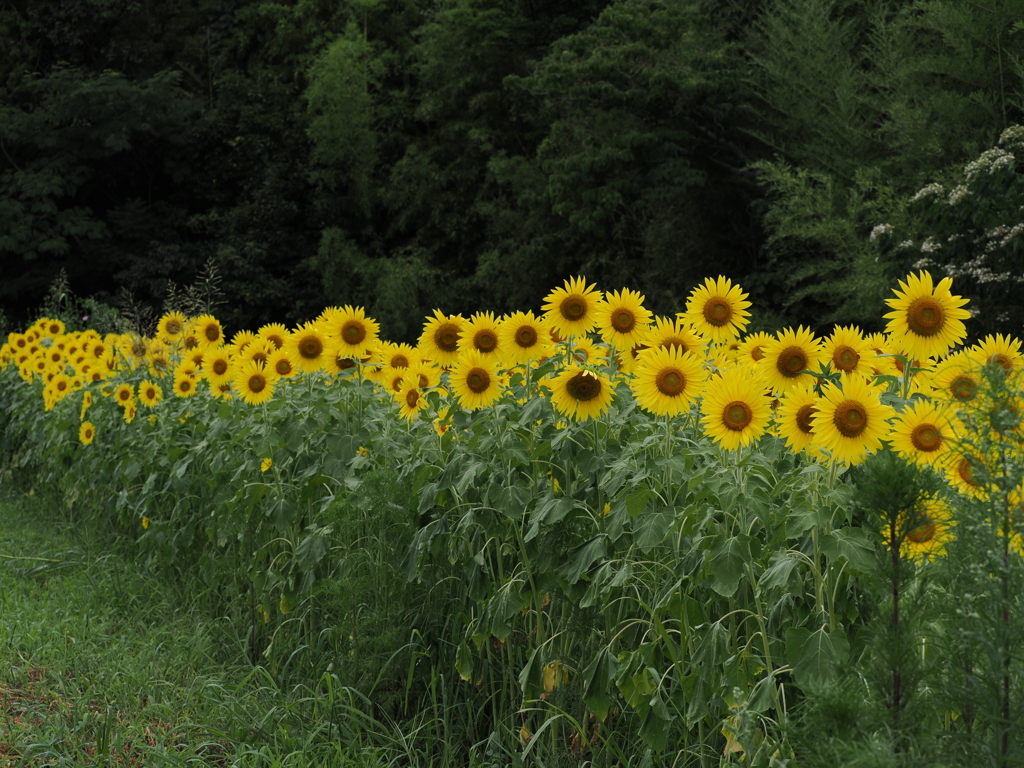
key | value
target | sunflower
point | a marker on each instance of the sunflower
(266, 464)
(307, 348)
(124, 396)
(480, 332)
(580, 394)
(622, 319)
(425, 375)
(717, 309)
(523, 337)
(129, 413)
(280, 365)
(391, 379)
(788, 356)
(171, 326)
(86, 404)
(736, 408)
(349, 330)
(240, 343)
(397, 355)
(751, 349)
(585, 351)
(150, 393)
(411, 400)
(926, 319)
(86, 432)
(474, 380)
(208, 331)
(924, 529)
(253, 383)
(259, 350)
(922, 434)
(666, 381)
(184, 385)
(677, 334)
(217, 366)
(275, 333)
(851, 420)
(1002, 351)
(795, 417)
(50, 327)
(847, 351)
(572, 310)
(957, 379)
(439, 341)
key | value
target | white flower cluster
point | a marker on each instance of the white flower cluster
(977, 270)
(1011, 233)
(881, 229)
(959, 194)
(931, 189)
(930, 246)
(1012, 135)
(991, 160)
(924, 263)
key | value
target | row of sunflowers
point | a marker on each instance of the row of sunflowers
(831, 398)
(687, 441)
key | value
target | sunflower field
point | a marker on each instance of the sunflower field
(588, 536)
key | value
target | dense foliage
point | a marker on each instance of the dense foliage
(592, 537)
(409, 154)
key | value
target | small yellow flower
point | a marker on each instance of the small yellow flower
(361, 451)
(266, 464)
(145, 522)
(607, 509)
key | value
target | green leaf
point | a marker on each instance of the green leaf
(728, 558)
(581, 558)
(464, 661)
(815, 656)
(855, 544)
(651, 528)
(779, 569)
(636, 501)
(655, 727)
(531, 678)
(598, 675)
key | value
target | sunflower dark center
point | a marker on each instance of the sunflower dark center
(174, 327)
(584, 386)
(211, 332)
(845, 359)
(673, 342)
(54, 329)
(353, 332)
(803, 418)
(926, 438)
(623, 320)
(925, 316)
(573, 307)
(260, 357)
(343, 363)
(150, 393)
(671, 382)
(737, 416)
(963, 387)
(526, 336)
(184, 385)
(276, 340)
(478, 380)
(99, 351)
(966, 471)
(257, 383)
(62, 385)
(191, 342)
(757, 353)
(399, 361)
(411, 398)
(1002, 361)
(310, 347)
(485, 340)
(447, 337)
(283, 367)
(924, 532)
(717, 311)
(850, 418)
(791, 362)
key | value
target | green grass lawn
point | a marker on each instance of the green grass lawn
(101, 664)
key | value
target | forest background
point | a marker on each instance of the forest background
(467, 154)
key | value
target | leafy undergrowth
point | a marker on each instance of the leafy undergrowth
(101, 665)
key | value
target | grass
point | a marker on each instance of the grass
(103, 664)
